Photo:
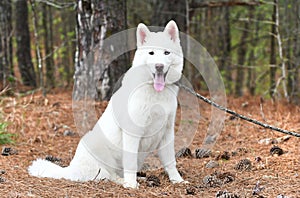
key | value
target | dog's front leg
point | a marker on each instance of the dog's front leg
(130, 159)
(167, 157)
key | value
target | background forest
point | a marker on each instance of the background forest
(256, 44)
(44, 75)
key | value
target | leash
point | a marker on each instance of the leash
(236, 114)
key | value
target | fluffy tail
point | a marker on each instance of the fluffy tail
(44, 168)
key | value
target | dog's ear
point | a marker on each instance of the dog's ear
(172, 30)
(142, 33)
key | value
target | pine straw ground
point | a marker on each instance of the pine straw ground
(40, 123)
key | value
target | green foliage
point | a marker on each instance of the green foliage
(11, 79)
(5, 138)
(218, 29)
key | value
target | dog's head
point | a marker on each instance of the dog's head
(161, 53)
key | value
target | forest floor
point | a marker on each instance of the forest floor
(241, 164)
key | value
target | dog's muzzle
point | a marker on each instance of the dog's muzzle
(159, 77)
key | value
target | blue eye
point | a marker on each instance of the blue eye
(151, 53)
(166, 52)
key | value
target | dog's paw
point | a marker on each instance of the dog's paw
(134, 185)
(119, 181)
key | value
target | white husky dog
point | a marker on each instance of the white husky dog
(139, 118)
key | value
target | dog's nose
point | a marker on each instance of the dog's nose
(159, 67)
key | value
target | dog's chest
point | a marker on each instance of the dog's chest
(150, 109)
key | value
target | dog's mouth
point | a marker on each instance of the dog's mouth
(159, 80)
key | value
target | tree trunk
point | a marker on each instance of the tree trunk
(241, 58)
(251, 84)
(6, 65)
(95, 18)
(84, 71)
(290, 24)
(68, 47)
(296, 54)
(283, 77)
(23, 44)
(66, 74)
(48, 44)
(164, 11)
(290, 64)
(117, 20)
(226, 56)
(273, 66)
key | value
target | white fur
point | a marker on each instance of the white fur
(137, 120)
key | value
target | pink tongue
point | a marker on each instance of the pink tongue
(159, 81)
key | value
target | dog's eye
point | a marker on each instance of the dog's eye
(166, 52)
(151, 53)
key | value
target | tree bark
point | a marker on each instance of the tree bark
(66, 51)
(283, 77)
(296, 54)
(251, 78)
(290, 24)
(117, 20)
(273, 66)
(241, 58)
(225, 63)
(48, 45)
(83, 71)
(94, 76)
(94, 19)
(164, 11)
(23, 44)
(6, 64)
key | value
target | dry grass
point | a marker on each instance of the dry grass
(40, 123)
